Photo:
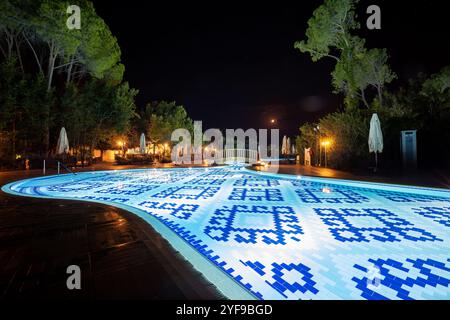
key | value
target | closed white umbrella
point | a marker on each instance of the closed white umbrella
(283, 145)
(142, 144)
(288, 145)
(63, 142)
(375, 137)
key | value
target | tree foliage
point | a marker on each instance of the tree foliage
(53, 76)
(97, 112)
(329, 29)
(436, 90)
(329, 34)
(164, 118)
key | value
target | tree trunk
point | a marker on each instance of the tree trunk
(19, 57)
(34, 54)
(69, 71)
(380, 95)
(51, 65)
(10, 43)
(3, 51)
(50, 73)
(363, 97)
(13, 156)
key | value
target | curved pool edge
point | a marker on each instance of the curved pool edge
(226, 285)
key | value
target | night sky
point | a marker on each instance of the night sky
(234, 65)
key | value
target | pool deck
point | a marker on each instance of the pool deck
(121, 256)
(434, 178)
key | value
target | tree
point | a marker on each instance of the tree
(49, 24)
(434, 111)
(42, 24)
(329, 29)
(24, 104)
(329, 34)
(96, 113)
(355, 72)
(308, 138)
(375, 70)
(11, 87)
(348, 77)
(436, 90)
(348, 133)
(75, 74)
(160, 119)
(10, 30)
(99, 51)
(39, 115)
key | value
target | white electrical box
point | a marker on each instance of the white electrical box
(409, 148)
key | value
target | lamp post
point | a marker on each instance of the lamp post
(325, 144)
(121, 145)
(318, 148)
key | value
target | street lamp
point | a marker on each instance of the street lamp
(121, 144)
(325, 144)
(318, 148)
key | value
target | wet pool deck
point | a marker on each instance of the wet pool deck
(120, 255)
(434, 178)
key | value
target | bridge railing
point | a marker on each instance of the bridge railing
(247, 156)
(244, 156)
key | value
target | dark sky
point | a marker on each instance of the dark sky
(234, 65)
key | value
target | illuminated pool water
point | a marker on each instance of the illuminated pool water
(257, 235)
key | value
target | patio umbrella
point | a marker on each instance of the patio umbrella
(375, 138)
(63, 142)
(288, 145)
(283, 145)
(142, 144)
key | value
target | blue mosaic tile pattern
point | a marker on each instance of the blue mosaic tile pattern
(256, 182)
(301, 281)
(107, 199)
(405, 197)
(327, 195)
(391, 279)
(438, 214)
(254, 224)
(366, 225)
(256, 194)
(128, 189)
(210, 181)
(181, 211)
(187, 192)
(77, 186)
(285, 237)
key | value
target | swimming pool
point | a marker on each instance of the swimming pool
(273, 236)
